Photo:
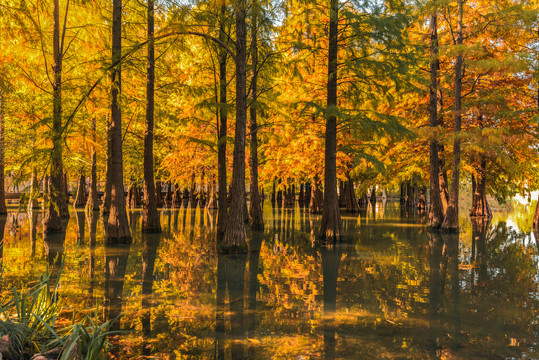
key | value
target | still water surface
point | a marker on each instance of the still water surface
(389, 290)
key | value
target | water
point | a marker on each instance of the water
(389, 290)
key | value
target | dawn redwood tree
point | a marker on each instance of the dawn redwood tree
(150, 215)
(234, 240)
(107, 193)
(57, 206)
(222, 212)
(118, 225)
(436, 211)
(451, 221)
(255, 212)
(330, 227)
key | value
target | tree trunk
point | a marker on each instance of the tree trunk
(3, 209)
(34, 191)
(52, 221)
(351, 200)
(150, 215)
(222, 212)
(451, 221)
(107, 195)
(118, 224)
(80, 199)
(373, 196)
(234, 240)
(436, 211)
(159, 194)
(422, 198)
(480, 207)
(330, 228)
(256, 221)
(342, 194)
(92, 203)
(315, 205)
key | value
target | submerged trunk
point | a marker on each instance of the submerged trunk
(80, 199)
(52, 221)
(436, 211)
(317, 197)
(480, 207)
(150, 216)
(235, 238)
(330, 228)
(118, 224)
(92, 203)
(451, 221)
(34, 191)
(222, 212)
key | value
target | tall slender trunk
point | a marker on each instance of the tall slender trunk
(107, 194)
(118, 224)
(536, 215)
(92, 203)
(150, 215)
(255, 214)
(57, 200)
(451, 221)
(330, 227)
(80, 199)
(34, 191)
(436, 211)
(3, 209)
(222, 212)
(442, 173)
(235, 238)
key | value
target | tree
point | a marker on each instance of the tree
(451, 221)
(118, 225)
(150, 216)
(436, 211)
(235, 239)
(330, 227)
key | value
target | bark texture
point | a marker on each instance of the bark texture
(436, 210)
(52, 221)
(80, 199)
(480, 207)
(234, 240)
(150, 215)
(330, 228)
(222, 212)
(118, 224)
(451, 221)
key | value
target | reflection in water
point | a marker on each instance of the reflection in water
(331, 259)
(54, 251)
(150, 244)
(3, 220)
(402, 293)
(33, 215)
(230, 275)
(81, 215)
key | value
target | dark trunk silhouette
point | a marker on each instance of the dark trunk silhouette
(54, 251)
(55, 209)
(256, 221)
(107, 194)
(234, 240)
(451, 221)
(93, 204)
(315, 205)
(330, 228)
(80, 199)
(222, 212)
(118, 225)
(436, 210)
(3, 220)
(435, 289)
(480, 207)
(350, 196)
(150, 215)
(92, 229)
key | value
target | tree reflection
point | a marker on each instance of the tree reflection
(331, 259)
(54, 251)
(150, 245)
(230, 275)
